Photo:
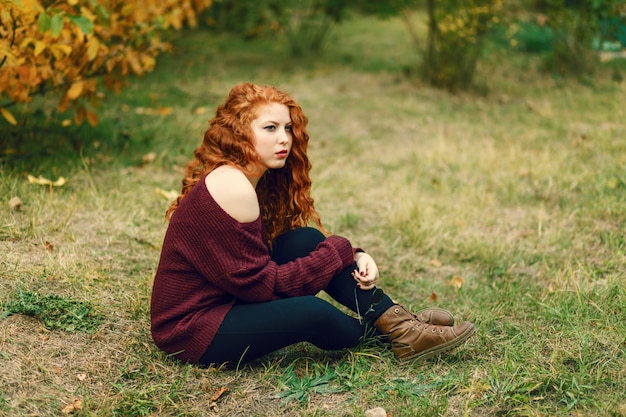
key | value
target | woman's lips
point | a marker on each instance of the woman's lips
(282, 154)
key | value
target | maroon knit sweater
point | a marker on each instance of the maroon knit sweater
(209, 260)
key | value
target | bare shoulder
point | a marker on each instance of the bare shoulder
(234, 193)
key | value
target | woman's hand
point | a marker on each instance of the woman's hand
(366, 273)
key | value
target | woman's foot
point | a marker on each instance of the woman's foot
(412, 338)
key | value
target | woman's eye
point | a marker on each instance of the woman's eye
(289, 128)
(271, 128)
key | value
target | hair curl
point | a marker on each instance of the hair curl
(284, 194)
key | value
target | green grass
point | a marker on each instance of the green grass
(56, 313)
(519, 191)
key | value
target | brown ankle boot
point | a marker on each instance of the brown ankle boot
(437, 316)
(413, 339)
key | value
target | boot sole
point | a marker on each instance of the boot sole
(444, 347)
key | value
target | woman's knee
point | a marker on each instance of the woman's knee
(296, 243)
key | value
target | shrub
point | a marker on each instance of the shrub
(576, 26)
(63, 45)
(456, 31)
(304, 23)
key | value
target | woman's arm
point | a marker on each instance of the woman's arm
(229, 247)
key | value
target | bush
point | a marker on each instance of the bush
(63, 45)
(304, 23)
(577, 25)
(456, 31)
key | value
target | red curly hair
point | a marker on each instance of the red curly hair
(284, 194)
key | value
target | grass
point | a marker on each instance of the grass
(56, 313)
(520, 192)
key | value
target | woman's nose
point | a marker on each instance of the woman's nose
(283, 137)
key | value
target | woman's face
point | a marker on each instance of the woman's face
(272, 135)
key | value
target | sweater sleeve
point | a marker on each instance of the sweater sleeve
(233, 256)
(251, 276)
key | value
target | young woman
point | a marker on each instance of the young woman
(240, 267)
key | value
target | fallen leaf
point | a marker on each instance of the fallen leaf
(432, 298)
(73, 406)
(376, 412)
(200, 110)
(15, 203)
(49, 246)
(435, 262)
(457, 282)
(170, 195)
(148, 158)
(81, 376)
(216, 396)
(542, 109)
(218, 393)
(44, 181)
(164, 111)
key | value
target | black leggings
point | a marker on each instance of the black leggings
(250, 331)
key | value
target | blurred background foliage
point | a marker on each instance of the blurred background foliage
(75, 49)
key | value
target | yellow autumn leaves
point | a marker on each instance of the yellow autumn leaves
(466, 23)
(62, 45)
(44, 181)
(15, 203)
(8, 116)
(59, 182)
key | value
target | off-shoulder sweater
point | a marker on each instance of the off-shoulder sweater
(209, 261)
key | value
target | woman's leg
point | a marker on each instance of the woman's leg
(250, 331)
(253, 330)
(300, 242)
(411, 336)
